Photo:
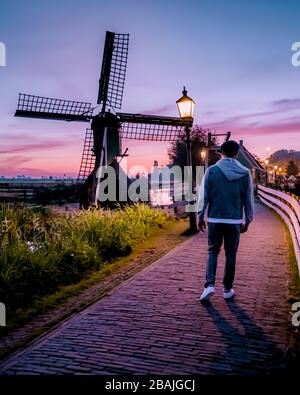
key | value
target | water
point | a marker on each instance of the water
(160, 197)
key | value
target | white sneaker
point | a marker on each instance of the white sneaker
(207, 293)
(228, 294)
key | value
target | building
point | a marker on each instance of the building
(288, 182)
(248, 160)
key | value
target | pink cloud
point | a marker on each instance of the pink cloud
(164, 110)
(27, 148)
(272, 128)
(13, 161)
(236, 124)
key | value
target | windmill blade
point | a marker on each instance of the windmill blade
(151, 127)
(113, 71)
(31, 106)
(88, 156)
(150, 132)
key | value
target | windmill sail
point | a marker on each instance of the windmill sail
(114, 64)
(88, 157)
(150, 127)
(31, 106)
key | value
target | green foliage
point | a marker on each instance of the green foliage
(292, 168)
(40, 250)
(177, 151)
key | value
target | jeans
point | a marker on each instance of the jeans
(231, 235)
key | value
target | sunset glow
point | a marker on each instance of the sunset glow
(236, 65)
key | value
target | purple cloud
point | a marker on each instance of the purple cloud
(286, 104)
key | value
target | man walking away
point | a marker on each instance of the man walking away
(227, 190)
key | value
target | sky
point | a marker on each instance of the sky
(234, 57)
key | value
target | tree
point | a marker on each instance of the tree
(292, 168)
(177, 152)
(283, 156)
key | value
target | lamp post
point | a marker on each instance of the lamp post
(275, 173)
(267, 162)
(186, 107)
(279, 178)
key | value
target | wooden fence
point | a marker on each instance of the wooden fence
(288, 207)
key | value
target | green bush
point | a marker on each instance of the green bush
(41, 251)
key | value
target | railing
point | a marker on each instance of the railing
(288, 207)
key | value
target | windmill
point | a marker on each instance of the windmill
(102, 144)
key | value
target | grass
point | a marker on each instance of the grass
(156, 245)
(42, 251)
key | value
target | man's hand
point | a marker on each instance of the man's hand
(201, 225)
(244, 227)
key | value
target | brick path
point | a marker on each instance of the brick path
(154, 323)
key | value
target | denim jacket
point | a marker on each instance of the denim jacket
(227, 190)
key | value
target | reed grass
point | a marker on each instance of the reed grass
(41, 251)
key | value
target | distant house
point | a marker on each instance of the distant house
(248, 160)
(292, 181)
(289, 182)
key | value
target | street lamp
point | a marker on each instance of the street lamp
(186, 106)
(203, 155)
(267, 162)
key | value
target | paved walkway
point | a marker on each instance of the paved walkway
(155, 324)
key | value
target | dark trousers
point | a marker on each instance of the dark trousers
(230, 233)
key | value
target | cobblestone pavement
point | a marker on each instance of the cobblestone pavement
(154, 323)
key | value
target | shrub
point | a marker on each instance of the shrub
(41, 251)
